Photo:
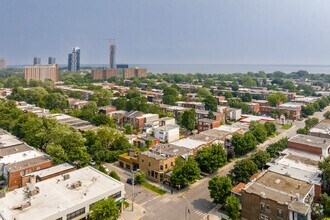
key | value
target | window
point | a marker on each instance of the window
(279, 213)
(116, 195)
(165, 166)
(149, 164)
(76, 213)
(262, 206)
(263, 217)
(142, 160)
(161, 167)
(172, 164)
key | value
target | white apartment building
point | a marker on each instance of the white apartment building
(167, 133)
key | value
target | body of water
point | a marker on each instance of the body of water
(220, 68)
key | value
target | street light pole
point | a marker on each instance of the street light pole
(187, 211)
(133, 192)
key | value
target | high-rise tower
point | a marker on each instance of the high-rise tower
(36, 61)
(74, 60)
(112, 53)
(51, 60)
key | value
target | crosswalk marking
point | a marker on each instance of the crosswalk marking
(200, 213)
(165, 200)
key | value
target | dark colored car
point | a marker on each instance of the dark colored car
(130, 181)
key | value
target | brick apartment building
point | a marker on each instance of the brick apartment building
(275, 196)
(207, 124)
(135, 72)
(104, 74)
(322, 129)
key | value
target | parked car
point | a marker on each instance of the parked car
(92, 163)
(106, 168)
(130, 181)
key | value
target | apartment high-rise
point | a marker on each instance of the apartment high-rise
(112, 55)
(74, 60)
(36, 61)
(3, 63)
(42, 72)
(51, 60)
(135, 72)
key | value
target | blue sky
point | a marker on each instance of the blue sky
(168, 31)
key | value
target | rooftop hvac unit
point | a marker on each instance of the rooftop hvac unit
(66, 176)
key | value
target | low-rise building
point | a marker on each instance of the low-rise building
(159, 160)
(294, 109)
(249, 118)
(167, 133)
(233, 114)
(207, 124)
(310, 144)
(322, 129)
(275, 196)
(129, 160)
(166, 121)
(195, 105)
(62, 197)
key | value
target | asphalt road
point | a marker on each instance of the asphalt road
(193, 203)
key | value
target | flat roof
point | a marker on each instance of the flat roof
(51, 170)
(310, 140)
(249, 118)
(27, 163)
(7, 140)
(281, 189)
(168, 127)
(189, 143)
(227, 128)
(323, 127)
(55, 194)
(290, 105)
(164, 151)
(21, 156)
(206, 120)
(14, 149)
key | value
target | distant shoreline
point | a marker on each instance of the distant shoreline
(218, 68)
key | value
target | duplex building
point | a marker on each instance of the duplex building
(207, 124)
(66, 197)
(275, 196)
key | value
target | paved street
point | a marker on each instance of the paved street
(193, 203)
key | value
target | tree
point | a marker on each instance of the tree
(261, 158)
(234, 86)
(102, 169)
(324, 166)
(327, 115)
(307, 109)
(289, 85)
(247, 97)
(270, 128)
(203, 92)
(170, 96)
(275, 98)
(211, 158)
(302, 131)
(232, 207)
(219, 187)
(128, 128)
(185, 171)
(260, 133)
(188, 119)
(210, 103)
(105, 209)
(102, 97)
(140, 177)
(244, 143)
(311, 122)
(243, 170)
(57, 153)
(228, 95)
(114, 175)
(275, 148)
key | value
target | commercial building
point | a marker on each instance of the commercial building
(167, 133)
(294, 109)
(74, 60)
(322, 129)
(159, 160)
(42, 72)
(310, 144)
(275, 196)
(130, 160)
(112, 54)
(62, 197)
(51, 60)
(3, 64)
(135, 72)
(36, 61)
(104, 74)
(120, 69)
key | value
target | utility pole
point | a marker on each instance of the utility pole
(133, 192)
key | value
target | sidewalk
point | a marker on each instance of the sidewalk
(137, 214)
(214, 214)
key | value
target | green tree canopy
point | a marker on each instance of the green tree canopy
(261, 158)
(232, 207)
(185, 171)
(188, 119)
(243, 170)
(105, 209)
(275, 98)
(211, 158)
(219, 187)
(210, 103)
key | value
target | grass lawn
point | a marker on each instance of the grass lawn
(286, 126)
(153, 188)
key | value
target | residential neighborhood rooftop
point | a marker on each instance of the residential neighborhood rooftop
(310, 140)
